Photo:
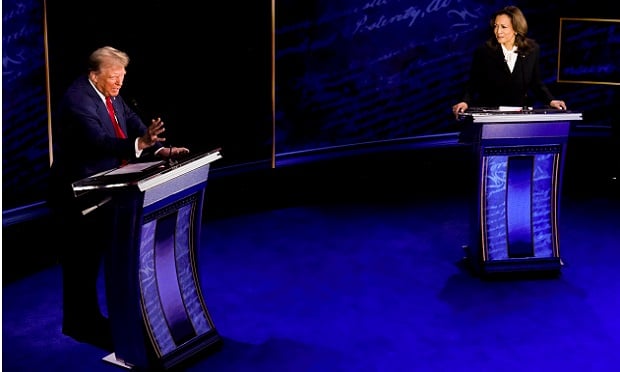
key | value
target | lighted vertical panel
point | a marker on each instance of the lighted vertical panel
(544, 204)
(519, 198)
(495, 207)
(173, 307)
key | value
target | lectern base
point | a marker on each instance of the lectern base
(111, 358)
(551, 265)
(513, 267)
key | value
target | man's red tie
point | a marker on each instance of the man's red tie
(117, 128)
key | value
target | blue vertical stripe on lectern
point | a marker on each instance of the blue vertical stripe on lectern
(495, 206)
(166, 272)
(519, 206)
(543, 219)
(186, 268)
(150, 295)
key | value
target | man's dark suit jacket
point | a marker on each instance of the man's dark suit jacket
(492, 84)
(84, 139)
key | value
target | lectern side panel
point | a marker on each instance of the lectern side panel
(494, 207)
(188, 275)
(544, 204)
(162, 341)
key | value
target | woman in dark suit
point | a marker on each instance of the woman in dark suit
(86, 142)
(505, 69)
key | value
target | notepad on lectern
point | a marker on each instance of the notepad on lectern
(513, 108)
(135, 167)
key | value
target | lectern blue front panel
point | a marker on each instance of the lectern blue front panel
(172, 303)
(518, 202)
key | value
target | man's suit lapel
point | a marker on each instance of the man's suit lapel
(104, 116)
(102, 110)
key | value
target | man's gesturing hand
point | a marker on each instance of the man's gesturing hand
(152, 134)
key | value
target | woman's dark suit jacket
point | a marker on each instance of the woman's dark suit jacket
(492, 84)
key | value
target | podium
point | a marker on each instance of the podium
(520, 158)
(157, 312)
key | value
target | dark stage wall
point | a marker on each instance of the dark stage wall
(353, 72)
(204, 71)
(346, 72)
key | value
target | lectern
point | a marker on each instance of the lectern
(157, 312)
(520, 159)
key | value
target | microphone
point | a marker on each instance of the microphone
(525, 88)
(134, 104)
(171, 161)
(137, 109)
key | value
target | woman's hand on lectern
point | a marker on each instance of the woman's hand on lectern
(459, 108)
(558, 104)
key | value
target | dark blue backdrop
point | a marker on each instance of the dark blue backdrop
(346, 73)
(589, 50)
(25, 154)
(357, 72)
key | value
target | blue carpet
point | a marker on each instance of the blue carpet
(365, 280)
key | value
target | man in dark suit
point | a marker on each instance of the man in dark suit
(90, 137)
(505, 70)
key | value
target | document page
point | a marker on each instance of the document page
(134, 168)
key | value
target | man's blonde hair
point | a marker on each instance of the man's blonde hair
(106, 55)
